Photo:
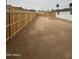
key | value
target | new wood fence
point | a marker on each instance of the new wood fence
(16, 20)
(52, 14)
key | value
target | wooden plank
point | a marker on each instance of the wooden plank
(18, 11)
(16, 32)
(13, 23)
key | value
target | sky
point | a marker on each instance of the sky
(40, 4)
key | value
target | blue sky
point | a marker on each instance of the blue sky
(40, 4)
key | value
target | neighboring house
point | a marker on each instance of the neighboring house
(65, 14)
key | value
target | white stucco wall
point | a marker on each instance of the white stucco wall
(64, 15)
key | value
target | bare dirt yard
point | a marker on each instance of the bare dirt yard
(43, 38)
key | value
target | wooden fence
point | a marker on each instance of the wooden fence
(16, 20)
(52, 14)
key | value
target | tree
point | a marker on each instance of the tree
(70, 4)
(57, 5)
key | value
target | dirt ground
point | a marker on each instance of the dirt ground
(43, 38)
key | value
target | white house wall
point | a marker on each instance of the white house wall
(64, 15)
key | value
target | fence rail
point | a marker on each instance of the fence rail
(52, 14)
(16, 20)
